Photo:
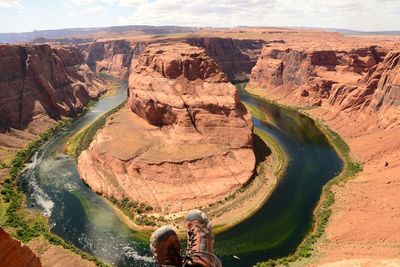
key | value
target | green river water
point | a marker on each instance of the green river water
(78, 215)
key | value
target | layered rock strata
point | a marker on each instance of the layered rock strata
(41, 80)
(365, 78)
(113, 57)
(184, 139)
(236, 57)
(359, 93)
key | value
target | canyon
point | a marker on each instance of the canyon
(349, 81)
(185, 120)
(40, 80)
(42, 84)
(188, 142)
(236, 57)
(39, 85)
(355, 90)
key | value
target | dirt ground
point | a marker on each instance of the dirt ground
(366, 219)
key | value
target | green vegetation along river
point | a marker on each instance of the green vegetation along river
(281, 224)
(52, 185)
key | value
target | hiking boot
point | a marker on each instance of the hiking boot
(200, 241)
(166, 248)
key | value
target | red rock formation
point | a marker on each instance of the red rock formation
(39, 79)
(350, 80)
(194, 145)
(379, 90)
(236, 57)
(180, 85)
(384, 80)
(312, 69)
(14, 254)
(113, 57)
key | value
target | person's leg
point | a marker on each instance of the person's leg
(166, 248)
(200, 241)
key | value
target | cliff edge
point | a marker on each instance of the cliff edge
(38, 80)
(345, 81)
(184, 139)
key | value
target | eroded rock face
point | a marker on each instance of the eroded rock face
(14, 253)
(40, 80)
(235, 57)
(184, 139)
(317, 70)
(113, 57)
(384, 80)
(350, 80)
(180, 85)
(379, 90)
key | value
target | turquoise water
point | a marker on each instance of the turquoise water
(83, 218)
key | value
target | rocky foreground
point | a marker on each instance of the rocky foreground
(14, 253)
(184, 139)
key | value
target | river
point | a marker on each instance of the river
(78, 215)
(281, 224)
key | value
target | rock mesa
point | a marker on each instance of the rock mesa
(184, 139)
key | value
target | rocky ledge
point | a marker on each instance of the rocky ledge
(345, 81)
(184, 139)
(14, 253)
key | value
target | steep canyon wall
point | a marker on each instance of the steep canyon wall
(41, 80)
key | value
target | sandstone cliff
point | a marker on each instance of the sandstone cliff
(113, 57)
(379, 90)
(41, 80)
(14, 253)
(349, 80)
(187, 141)
(236, 57)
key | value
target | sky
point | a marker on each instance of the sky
(365, 15)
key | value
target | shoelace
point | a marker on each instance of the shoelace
(191, 241)
(188, 258)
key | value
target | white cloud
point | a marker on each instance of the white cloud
(358, 14)
(125, 2)
(200, 13)
(95, 10)
(89, 10)
(10, 3)
(110, 2)
(81, 2)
